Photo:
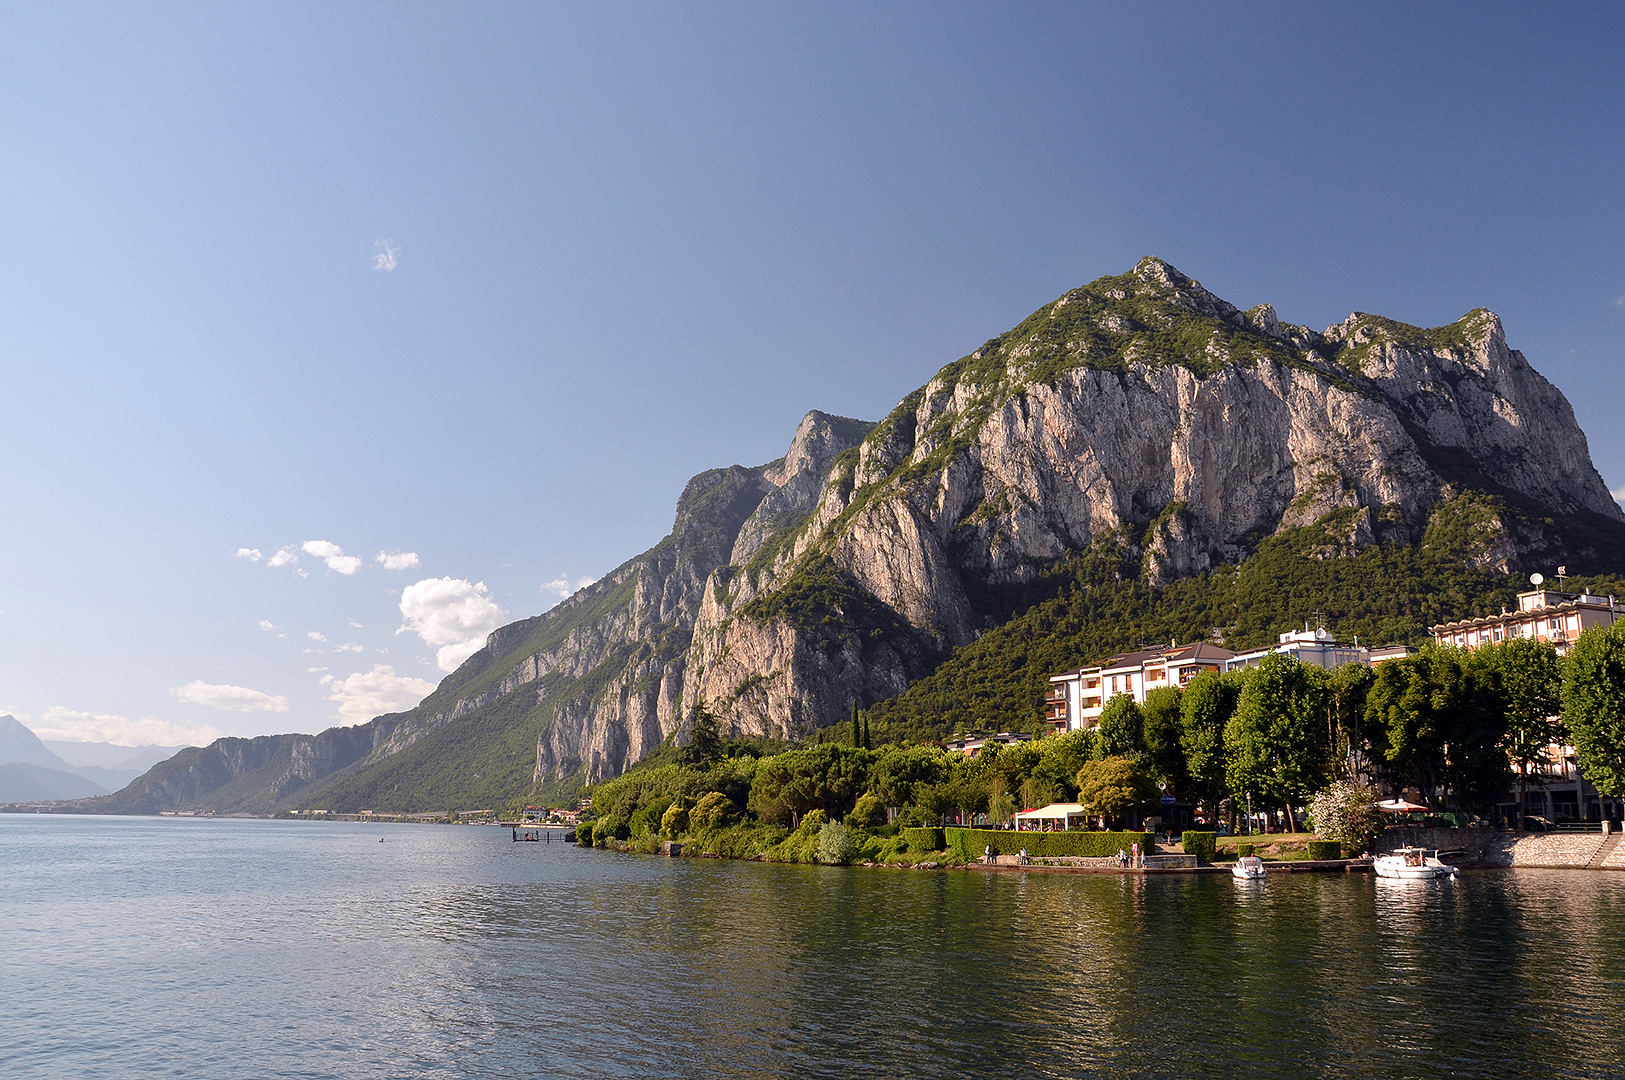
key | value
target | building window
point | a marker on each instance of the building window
(1498, 633)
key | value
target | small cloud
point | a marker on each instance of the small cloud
(452, 614)
(350, 647)
(222, 696)
(388, 256)
(70, 725)
(355, 624)
(251, 554)
(1618, 494)
(397, 560)
(314, 670)
(286, 556)
(268, 626)
(367, 694)
(333, 555)
(1620, 302)
(564, 587)
(315, 635)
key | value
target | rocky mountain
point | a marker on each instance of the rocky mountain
(29, 771)
(1140, 407)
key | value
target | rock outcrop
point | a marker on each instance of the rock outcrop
(1138, 406)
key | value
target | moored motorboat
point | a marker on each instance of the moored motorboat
(1412, 864)
(1249, 868)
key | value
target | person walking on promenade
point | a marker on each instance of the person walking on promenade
(1136, 853)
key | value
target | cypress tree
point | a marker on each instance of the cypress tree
(857, 733)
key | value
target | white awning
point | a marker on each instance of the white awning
(1059, 811)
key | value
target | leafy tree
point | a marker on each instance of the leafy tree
(1346, 812)
(1275, 744)
(1438, 723)
(1122, 728)
(1594, 706)
(1208, 703)
(1347, 688)
(900, 770)
(1529, 676)
(868, 811)
(826, 777)
(674, 822)
(1114, 786)
(1403, 724)
(712, 811)
(1164, 731)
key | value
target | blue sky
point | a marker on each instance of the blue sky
(486, 284)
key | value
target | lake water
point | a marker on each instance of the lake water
(134, 947)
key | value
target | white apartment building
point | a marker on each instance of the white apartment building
(1543, 614)
(1317, 647)
(1075, 698)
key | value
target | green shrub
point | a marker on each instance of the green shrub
(674, 822)
(584, 833)
(969, 844)
(740, 841)
(1325, 849)
(924, 839)
(835, 846)
(867, 812)
(714, 809)
(1244, 850)
(801, 846)
(1201, 844)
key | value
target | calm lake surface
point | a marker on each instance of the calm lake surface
(137, 947)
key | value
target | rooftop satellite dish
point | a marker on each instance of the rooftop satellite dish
(1536, 579)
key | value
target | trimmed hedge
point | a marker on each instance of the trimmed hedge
(970, 844)
(924, 839)
(1200, 843)
(1325, 849)
(1244, 850)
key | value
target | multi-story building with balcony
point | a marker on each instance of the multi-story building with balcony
(1317, 647)
(1543, 614)
(1075, 698)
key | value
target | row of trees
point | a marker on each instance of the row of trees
(1456, 725)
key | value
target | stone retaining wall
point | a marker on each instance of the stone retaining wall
(1490, 848)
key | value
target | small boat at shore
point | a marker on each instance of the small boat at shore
(1248, 868)
(1412, 864)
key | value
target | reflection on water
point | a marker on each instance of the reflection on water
(139, 947)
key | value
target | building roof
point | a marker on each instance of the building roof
(1572, 602)
(1053, 812)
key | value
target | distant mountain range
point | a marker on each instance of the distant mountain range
(1139, 413)
(33, 770)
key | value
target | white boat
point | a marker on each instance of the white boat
(1412, 864)
(1249, 868)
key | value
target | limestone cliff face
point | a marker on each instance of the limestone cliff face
(1139, 405)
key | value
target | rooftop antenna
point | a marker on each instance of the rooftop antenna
(1562, 572)
(1320, 620)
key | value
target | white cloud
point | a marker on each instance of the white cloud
(285, 556)
(268, 626)
(349, 647)
(367, 694)
(315, 635)
(1620, 303)
(313, 670)
(388, 256)
(226, 696)
(452, 614)
(70, 725)
(355, 624)
(251, 554)
(397, 560)
(564, 587)
(333, 555)
(1619, 494)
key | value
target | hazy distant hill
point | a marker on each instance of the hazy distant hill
(109, 764)
(1137, 443)
(67, 770)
